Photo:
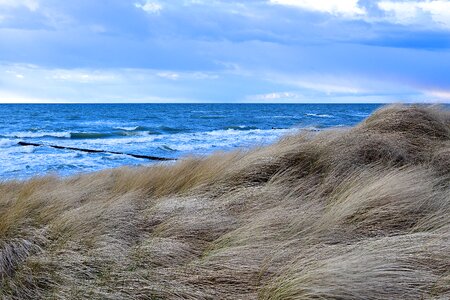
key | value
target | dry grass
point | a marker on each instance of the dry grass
(361, 213)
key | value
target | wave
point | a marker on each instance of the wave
(211, 117)
(102, 135)
(89, 135)
(5, 143)
(169, 129)
(139, 131)
(102, 123)
(182, 143)
(131, 128)
(241, 127)
(136, 131)
(208, 141)
(135, 128)
(166, 148)
(319, 115)
(33, 134)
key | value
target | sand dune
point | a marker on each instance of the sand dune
(360, 213)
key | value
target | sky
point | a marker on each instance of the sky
(264, 51)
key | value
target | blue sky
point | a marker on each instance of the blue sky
(224, 51)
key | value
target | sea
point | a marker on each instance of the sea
(161, 130)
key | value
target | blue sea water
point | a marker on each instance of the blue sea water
(166, 130)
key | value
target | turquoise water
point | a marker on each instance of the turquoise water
(166, 130)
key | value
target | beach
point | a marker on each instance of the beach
(358, 212)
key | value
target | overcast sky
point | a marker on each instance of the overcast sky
(224, 51)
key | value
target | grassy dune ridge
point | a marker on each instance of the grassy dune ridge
(360, 213)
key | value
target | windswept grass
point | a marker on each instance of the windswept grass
(362, 213)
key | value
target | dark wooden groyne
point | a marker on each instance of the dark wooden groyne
(149, 157)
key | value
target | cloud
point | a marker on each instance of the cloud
(169, 75)
(426, 13)
(187, 75)
(324, 83)
(32, 5)
(347, 8)
(440, 94)
(13, 97)
(276, 97)
(19, 81)
(150, 7)
(331, 87)
(417, 12)
(81, 76)
(222, 50)
(31, 83)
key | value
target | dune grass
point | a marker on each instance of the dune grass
(360, 213)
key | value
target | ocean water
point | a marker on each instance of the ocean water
(164, 130)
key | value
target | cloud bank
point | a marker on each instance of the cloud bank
(225, 51)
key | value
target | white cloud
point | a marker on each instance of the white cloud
(81, 76)
(32, 5)
(150, 7)
(440, 94)
(328, 87)
(325, 84)
(349, 8)
(275, 96)
(417, 12)
(13, 97)
(169, 75)
(22, 83)
(203, 76)
(427, 13)
(15, 74)
(187, 75)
